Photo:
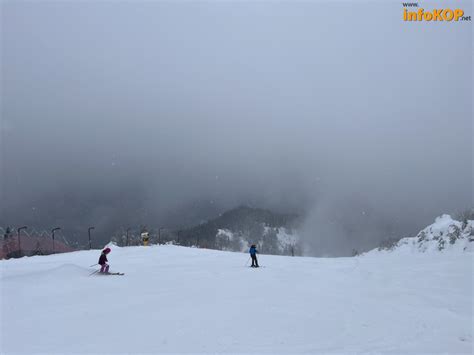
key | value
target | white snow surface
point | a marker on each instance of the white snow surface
(180, 300)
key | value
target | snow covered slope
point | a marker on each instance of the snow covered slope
(444, 235)
(175, 299)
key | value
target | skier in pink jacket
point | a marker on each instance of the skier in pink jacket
(104, 267)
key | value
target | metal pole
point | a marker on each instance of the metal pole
(52, 232)
(89, 232)
(19, 240)
(247, 261)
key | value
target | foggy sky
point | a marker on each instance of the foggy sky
(129, 113)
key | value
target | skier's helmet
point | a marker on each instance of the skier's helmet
(107, 250)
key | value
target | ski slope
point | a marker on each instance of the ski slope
(176, 299)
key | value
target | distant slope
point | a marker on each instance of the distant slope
(235, 229)
(444, 235)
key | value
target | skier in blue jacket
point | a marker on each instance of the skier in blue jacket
(253, 254)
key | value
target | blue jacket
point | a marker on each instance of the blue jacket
(253, 251)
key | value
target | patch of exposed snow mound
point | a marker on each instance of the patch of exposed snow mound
(111, 245)
(444, 235)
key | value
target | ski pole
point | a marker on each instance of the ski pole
(92, 273)
(247, 261)
(93, 265)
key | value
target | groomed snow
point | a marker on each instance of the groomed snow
(175, 299)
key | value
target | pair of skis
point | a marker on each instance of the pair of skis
(96, 272)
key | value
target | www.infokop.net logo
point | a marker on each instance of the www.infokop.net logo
(413, 12)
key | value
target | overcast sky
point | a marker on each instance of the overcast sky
(112, 110)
